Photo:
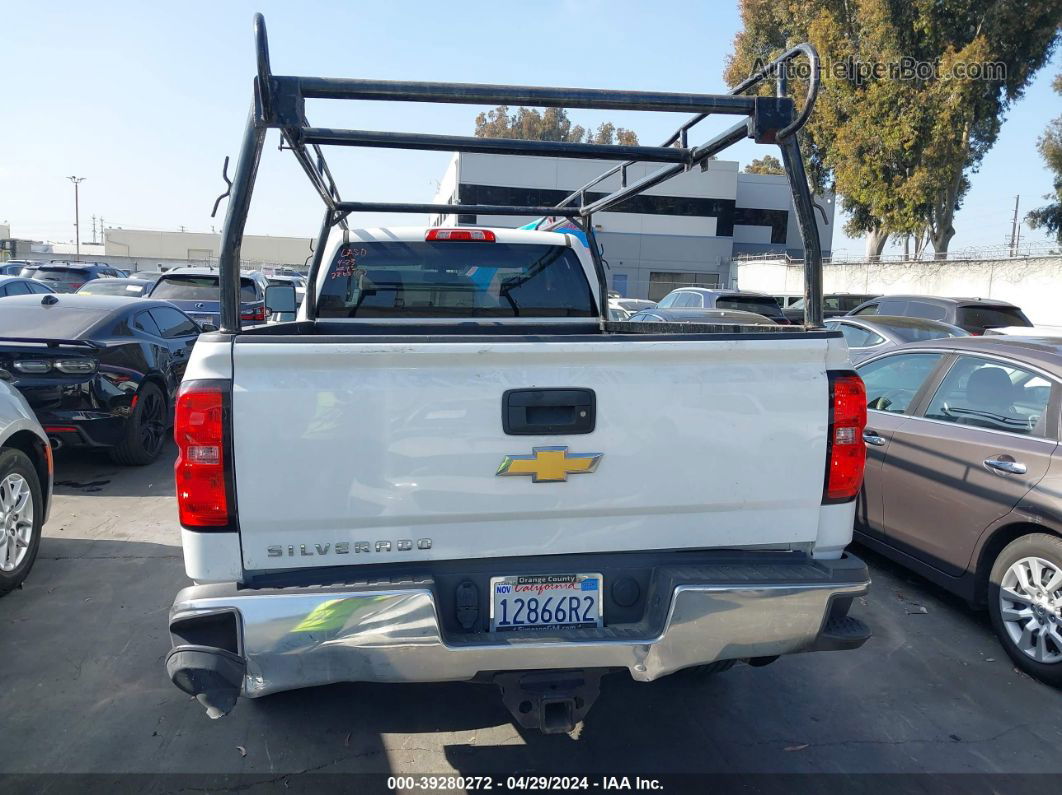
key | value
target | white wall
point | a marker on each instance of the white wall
(1033, 283)
(203, 246)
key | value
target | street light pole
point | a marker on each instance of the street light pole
(77, 216)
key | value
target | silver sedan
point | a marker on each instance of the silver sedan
(25, 486)
(873, 335)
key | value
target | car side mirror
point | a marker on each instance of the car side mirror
(206, 327)
(280, 298)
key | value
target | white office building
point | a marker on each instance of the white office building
(685, 231)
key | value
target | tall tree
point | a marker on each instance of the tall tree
(1049, 216)
(897, 141)
(768, 164)
(551, 124)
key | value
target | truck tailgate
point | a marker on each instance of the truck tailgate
(355, 452)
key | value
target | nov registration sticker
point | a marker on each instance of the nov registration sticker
(539, 601)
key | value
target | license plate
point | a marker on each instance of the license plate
(545, 600)
(202, 318)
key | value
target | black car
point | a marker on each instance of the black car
(98, 371)
(67, 277)
(833, 305)
(975, 315)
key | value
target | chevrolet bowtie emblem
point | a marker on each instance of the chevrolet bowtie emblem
(549, 464)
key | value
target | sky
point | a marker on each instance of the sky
(144, 101)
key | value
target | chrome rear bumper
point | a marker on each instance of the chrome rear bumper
(299, 637)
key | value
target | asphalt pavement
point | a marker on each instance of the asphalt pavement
(83, 689)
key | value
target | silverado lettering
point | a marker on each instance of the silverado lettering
(344, 547)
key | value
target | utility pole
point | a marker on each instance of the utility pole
(1014, 229)
(77, 216)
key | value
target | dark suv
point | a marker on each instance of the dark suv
(67, 277)
(974, 315)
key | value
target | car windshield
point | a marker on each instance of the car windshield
(455, 279)
(111, 287)
(761, 305)
(980, 318)
(195, 287)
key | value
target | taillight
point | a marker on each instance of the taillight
(845, 453)
(479, 235)
(258, 313)
(198, 429)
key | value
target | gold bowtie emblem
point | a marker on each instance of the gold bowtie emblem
(549, 464)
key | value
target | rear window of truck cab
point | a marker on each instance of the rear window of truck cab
(449, 278)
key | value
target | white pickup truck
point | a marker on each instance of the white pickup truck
(451, 467)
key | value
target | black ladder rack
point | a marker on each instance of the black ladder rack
(279, 102)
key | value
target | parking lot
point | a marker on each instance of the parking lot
(84, 690)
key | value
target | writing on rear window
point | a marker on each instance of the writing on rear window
(454, 279)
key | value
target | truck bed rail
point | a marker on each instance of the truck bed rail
(279, 102)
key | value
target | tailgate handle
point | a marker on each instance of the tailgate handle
(545, 412)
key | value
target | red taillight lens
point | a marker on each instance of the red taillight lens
(476, 235)
(845, 452)
(258, 313)
(198, 429)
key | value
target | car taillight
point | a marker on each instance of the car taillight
(258, 313)
(845, 452)
(199, 430)
(478, 235)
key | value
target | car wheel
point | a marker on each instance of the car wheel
(145, 430)
(21, 517)
(1025, 602)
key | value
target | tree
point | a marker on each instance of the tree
(552, 124)
(913, 96)
(768, 164)
(1049, 216)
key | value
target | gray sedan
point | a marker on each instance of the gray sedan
(737, 317)
(25, 485)
(873, 335)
